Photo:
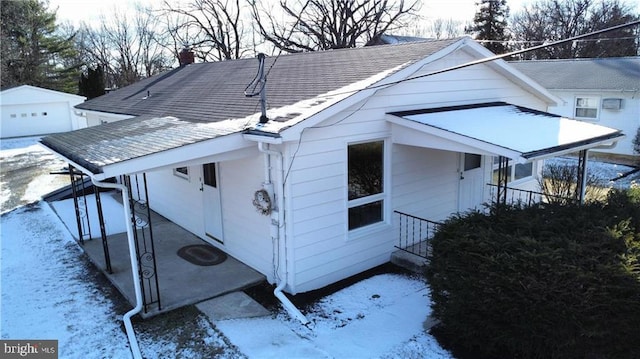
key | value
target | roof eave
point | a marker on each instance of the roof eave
(605, 140)
(515, 75)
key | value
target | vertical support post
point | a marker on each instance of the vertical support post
(503, 178)
(80, 204)
(103, 232)
(145, 248)
(581, 181)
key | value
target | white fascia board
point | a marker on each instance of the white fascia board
(293, 133)
(590, 146)
(449, 139)
(100, 113)
(513, 74)
(263, 138)
(177, 156)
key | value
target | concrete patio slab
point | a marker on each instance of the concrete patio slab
(234, 305)
(180, 281)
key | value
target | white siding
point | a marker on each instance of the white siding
(425, 182)
(29, 111)
(626, 119)
(419, 180)
(245, 232)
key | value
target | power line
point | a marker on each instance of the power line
(508, 54)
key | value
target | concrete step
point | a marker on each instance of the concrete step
(234, 305)
(409, 261)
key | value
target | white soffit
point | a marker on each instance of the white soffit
(531, 134)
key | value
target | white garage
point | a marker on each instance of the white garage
(31, 111)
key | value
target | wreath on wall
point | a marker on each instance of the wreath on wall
(262, 202)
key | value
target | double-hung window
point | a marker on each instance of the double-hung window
(365, 183)
(587, 107)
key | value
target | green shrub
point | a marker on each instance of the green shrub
(540, 282)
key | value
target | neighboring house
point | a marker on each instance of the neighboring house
(605, 91)
(30, 111)
(308, 197)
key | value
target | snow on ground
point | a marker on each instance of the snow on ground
(112, 211)
(49, 291)
(605, 172)
(44, 292)
(379, 317)
(47, 294)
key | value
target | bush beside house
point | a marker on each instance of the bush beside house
(540, 282)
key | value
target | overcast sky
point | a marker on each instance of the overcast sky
(85, 10)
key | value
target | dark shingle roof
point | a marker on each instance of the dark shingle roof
(616, 73)
(186, 105)
(214, 91)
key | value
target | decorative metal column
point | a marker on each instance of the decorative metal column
(143, 236)
(503, 178)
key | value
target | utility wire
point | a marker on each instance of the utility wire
(508, 54)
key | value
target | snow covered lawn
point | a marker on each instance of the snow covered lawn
(50, 291)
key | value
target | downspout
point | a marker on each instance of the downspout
(280, 232)
(131, 334)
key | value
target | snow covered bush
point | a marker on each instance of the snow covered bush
(542, 282)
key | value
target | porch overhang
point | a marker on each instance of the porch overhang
(498, 129)
(142, 145)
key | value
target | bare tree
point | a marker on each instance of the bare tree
(553, 20)
(215, 29)
(311, 25)
(127, 48)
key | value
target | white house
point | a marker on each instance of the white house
(603, 91)
(307, 193)
(30, 111)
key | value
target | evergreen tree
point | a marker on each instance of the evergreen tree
(92, 85)
(32, 52)
(490, 23)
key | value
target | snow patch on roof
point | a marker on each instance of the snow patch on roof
(287, 116)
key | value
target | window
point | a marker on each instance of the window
(44, 114)
(34, 114)
(365, 183)
(209, 174)
(519, 171)
(13, 115)
(586, 107)
(182, 172)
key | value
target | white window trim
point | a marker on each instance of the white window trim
(385, 196)
(179, 174)
(512, 174)
(597, 107)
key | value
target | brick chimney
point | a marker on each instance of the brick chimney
(185, 57)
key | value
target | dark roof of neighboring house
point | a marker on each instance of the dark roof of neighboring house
(613, 73)
(205, 100)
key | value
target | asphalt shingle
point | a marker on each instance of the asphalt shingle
(173, 108)
(616, 73)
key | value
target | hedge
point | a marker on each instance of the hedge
(540, 282)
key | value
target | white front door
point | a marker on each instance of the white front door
(472, 182)
(212, 207)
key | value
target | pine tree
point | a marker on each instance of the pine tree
(32, 52)
(490, 23)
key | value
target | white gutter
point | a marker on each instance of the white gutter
(131, 334)
(280, 233)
